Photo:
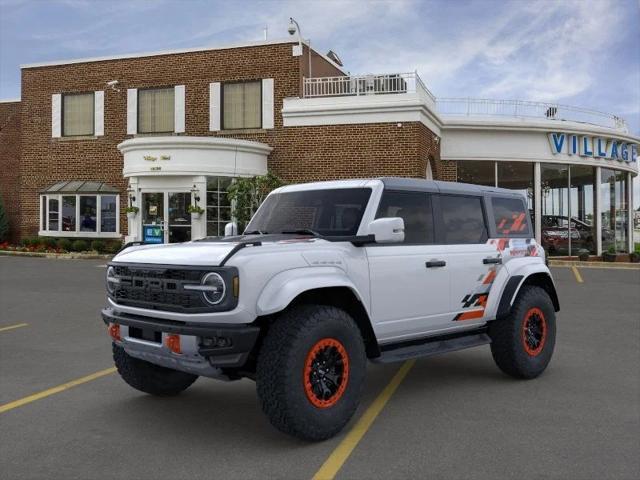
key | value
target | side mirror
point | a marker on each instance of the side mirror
(230, 229)
(387, 230)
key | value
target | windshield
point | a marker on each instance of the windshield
(329, 212)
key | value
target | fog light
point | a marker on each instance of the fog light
(173, 343)
(114, 331)
(216, 342)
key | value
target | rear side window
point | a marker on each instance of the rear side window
(510, 215)
(415, 209)
(462, 219)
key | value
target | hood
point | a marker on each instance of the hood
(191, 253)
(207, 251)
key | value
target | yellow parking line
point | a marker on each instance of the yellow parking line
(334, 463)
(577, 274)
(60, 388)
(11, 327)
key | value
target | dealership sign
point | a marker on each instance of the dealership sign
(597, 147)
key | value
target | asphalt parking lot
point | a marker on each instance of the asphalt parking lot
(453, 416)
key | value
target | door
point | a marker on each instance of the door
(165, 218)
(462, 228)
(409, 284)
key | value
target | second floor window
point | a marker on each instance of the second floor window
(156, 110)
(242, 105)
(77, 114)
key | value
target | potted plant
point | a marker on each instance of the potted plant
(634, 256)
(610, 255)
(583, 255)
(195, 211)
(131, 212)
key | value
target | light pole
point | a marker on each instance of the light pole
(293, 28)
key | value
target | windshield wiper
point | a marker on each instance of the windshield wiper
(255, 232)
(303, 231)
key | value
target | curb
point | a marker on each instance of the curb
(58, 256)
(605, 265)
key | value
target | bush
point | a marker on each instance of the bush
(98, 245)
(113, 246)
(80, 246)
(4, 223)
(65, 244)
(29, 242)
(47, 242)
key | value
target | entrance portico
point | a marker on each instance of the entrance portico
(168, 173)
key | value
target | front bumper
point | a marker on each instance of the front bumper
(199, 355)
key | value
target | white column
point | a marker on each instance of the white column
(134, 230)
(630, 212)
(199, 227)
(598, 211)
(537, 207)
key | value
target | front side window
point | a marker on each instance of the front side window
(77, 114)
(510, 216)
(415, 209)
(242, 105)
(156, 110)
(462, 219)
(330, 212)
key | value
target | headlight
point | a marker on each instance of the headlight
(112, 280)
(212, 287)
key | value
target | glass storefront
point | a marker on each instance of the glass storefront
(568, 204)
(218, 205)
(614, 210)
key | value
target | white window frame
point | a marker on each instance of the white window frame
(78, 233)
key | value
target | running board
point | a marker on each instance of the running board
(431, 346)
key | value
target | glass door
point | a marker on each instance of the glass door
(179, 227)
(153, 214)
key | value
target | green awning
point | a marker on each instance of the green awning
(80, 186)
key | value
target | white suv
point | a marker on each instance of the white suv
(326, 276)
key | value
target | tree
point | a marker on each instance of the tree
(247, 194)
(4, 223)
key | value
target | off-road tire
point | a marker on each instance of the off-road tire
(150, 378)
(509, 347)
(282, 371)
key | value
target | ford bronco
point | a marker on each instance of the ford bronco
(325, 277)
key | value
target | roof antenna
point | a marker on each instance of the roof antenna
(266, 32)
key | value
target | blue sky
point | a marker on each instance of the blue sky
(578, 52)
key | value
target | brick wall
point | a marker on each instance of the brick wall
(10, 163)
(299, 153)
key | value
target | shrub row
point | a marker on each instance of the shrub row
(71, 245)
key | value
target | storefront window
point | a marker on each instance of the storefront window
(614, 210)
(53, 213)
(88, 214)
(218, 205)
(69, 213)
(583, 227)
(478, 172)
(555, 208)
(518, 176)
(108, 217)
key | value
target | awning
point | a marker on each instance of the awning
(80, 186)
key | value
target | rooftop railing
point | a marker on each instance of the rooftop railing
(478, 107)
(399, 83)
(356, 85)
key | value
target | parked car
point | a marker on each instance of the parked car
(325, 277)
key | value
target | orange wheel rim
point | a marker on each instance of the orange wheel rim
(534, 332)
(326, 373)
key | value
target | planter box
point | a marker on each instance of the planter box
(195, 216)
(131, 216)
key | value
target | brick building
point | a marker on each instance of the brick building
(161, 131)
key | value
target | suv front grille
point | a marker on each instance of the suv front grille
(159, 288)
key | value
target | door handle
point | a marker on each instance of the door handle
(491, 260)
(435, 263)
